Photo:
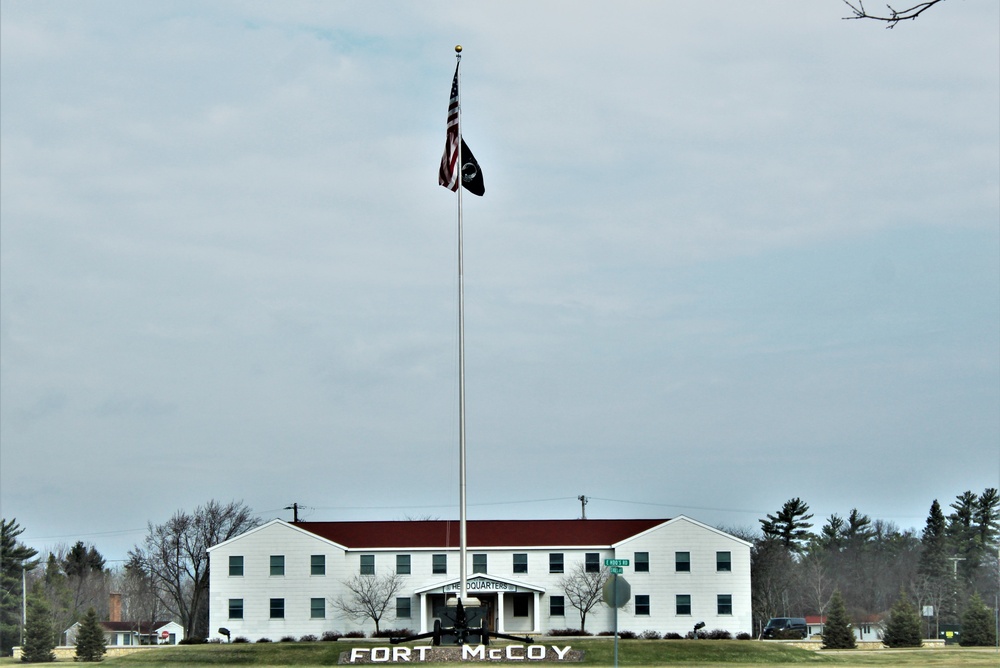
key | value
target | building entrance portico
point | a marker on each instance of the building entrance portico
(509, 606)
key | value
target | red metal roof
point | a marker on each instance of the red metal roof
(142, 627)
(406, 534)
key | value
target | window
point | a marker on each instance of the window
(521, 563)
(277, 608)
(236, 608)
(683, 604)
(277, 564)
(557, 606)
(402, 564)
(642, 604)
(592, 562)
(723, 561)
(555, 562)
(479, 563)
(317, 608)
(368, 564)
(403, 607)
(439, 563)
(235, 566)
(317, 564)
(522, 604)
(683, 561)
(642, 562)
(725, 604)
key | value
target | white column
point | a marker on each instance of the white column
(500, 613)
(423, 612)
(536, 621)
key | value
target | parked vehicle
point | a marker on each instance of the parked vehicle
(785, 628)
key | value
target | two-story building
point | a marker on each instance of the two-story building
(283, 579)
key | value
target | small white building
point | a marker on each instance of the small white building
(281, 579)
(118, 633)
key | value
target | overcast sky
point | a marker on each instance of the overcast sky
(730, 253)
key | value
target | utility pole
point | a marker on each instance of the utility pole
(295, 511)
(583, 506)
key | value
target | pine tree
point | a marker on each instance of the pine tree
(903, 629)
(14, 556)
(837, 631)
(789, 526)
(90, 639)
(39, 638)
(977, 624)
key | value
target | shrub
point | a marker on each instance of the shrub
(308, 638)
(331, 636)
(568, 632)
(393, 633)
(719, 634)
(263, 640)
(193, 640)
(354, 634)
(240, 639)
(287, 639)
(744, 636)
(651, 634)
(673, 636)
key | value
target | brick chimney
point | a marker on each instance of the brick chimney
(115, 607)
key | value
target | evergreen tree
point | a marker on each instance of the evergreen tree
(903, 629)
(13, 557)
(58, 595)
(933, 540)
(90, 639)
(39, 638)
(986, 519)
(837, 631)
(962, 535)
(790, 525)
(977, 624)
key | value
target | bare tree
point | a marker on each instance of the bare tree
(893, 16)
(584, 589)
(175, 557)
(369, 596)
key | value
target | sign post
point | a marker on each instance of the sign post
(617, 592)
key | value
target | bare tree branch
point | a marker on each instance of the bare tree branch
(368, 596)
(894, 16)
(584, 589)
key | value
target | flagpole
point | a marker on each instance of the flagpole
(463, 538)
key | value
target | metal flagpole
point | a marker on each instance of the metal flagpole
(462, 537)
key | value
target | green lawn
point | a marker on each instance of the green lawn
(599, 652)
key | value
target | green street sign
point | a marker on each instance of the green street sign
(616, 562)
(617, 570)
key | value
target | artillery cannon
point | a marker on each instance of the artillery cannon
(460, 632)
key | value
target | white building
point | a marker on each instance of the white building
(281, 579)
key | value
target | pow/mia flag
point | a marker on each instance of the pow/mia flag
(472, 175)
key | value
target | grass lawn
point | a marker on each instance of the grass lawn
(599, 652)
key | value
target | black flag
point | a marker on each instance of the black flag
(472, 175)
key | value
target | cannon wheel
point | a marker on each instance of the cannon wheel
(437, 633)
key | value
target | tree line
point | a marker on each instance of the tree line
(796, 571)
(165, 577)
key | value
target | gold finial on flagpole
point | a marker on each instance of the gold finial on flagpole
(458, 48)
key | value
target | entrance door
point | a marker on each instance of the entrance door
(489, 605)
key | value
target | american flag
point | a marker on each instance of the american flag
(448, 173)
